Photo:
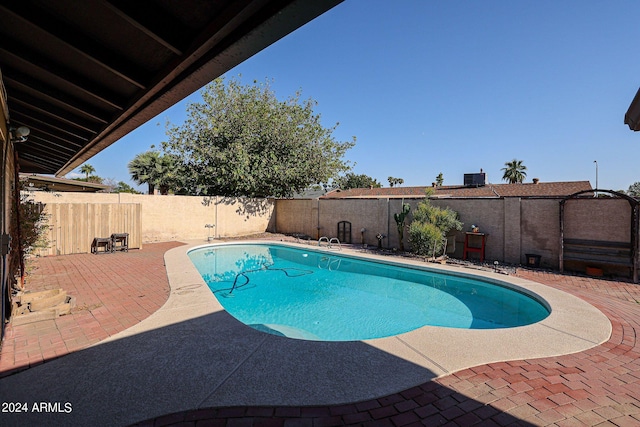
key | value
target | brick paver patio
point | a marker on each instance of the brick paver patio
(600, 386)
(112, 291)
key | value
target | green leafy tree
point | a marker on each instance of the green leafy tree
(514, 171)
(28, 231)
(243, 141)
(87, 170)
(395, 181)
(634, 190)
(426, 238)
(123, 187)
(93, 178)
(439, 180)
(430, 226)
(351, 180)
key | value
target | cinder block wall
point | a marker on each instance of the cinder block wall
(540, 230)
(370, 214)
(296, 216)
(598, 219)
(515, 226)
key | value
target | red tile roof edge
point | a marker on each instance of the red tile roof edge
(540, 189)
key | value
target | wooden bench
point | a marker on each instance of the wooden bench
(598, 251)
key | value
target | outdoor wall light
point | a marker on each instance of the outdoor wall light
(20, 134)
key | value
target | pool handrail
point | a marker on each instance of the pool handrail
(335, 240)
(330, 242)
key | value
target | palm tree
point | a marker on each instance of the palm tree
(169, 173)
(87, 169)
(514, 172)
(393, 181)
(154, 169)
(144, 169)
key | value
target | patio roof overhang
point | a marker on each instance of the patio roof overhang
(50, 183)
(632, 116)
(81, 75)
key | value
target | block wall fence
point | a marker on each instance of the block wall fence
(156, 218)
(514, 226)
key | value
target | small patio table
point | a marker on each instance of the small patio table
(120, 242)
(101, 242)
(477, 249)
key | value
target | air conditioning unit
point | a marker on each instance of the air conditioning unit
(475, 179)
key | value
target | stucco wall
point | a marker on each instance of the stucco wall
(167, 218)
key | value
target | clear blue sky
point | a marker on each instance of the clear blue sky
(453, 87)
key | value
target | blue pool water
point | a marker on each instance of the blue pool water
(319, 295)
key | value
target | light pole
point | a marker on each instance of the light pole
(596, 193)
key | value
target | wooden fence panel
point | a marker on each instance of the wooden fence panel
(72, 226)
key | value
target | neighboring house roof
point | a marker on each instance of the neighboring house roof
(540, 189)
(50, 183)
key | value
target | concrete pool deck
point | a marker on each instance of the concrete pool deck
(572, 326)
(190, 355)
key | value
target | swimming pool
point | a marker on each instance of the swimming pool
(320, 295)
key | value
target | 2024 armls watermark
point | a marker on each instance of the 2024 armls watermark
(37, 407)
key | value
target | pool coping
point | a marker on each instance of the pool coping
(386, 365)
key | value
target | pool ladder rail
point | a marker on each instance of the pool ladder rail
(330, 242)
(332, 264)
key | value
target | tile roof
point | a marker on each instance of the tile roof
(540, 189)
